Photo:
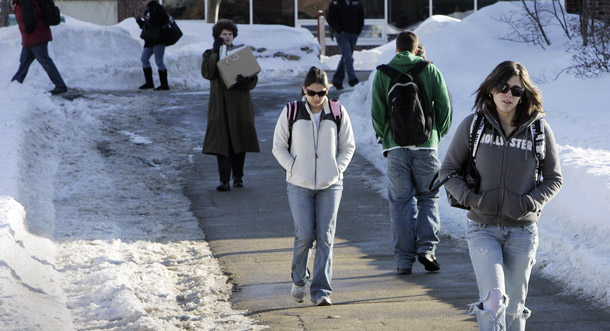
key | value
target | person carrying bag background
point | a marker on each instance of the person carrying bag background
(155, 18)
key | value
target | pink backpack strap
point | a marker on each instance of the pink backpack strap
(335, 108)
(292, 111)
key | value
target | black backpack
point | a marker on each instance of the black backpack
(50, 12)
(409, 114)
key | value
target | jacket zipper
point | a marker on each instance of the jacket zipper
(503, 180)
(315, 146)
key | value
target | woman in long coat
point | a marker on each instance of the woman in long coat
(230, 130)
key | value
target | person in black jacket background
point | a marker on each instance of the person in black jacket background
(346, 19)
(151, 24)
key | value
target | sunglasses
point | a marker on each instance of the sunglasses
(516, 91)
(314, 93)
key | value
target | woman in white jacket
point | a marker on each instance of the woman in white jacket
(314, 148)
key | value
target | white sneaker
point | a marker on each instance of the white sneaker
(323, 301)
(298, 292)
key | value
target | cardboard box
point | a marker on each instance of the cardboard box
(240, 61)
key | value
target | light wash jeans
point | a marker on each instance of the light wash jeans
(159, 51)
(415, 229)
(315, 218)
(40, 53)
(346, 42)
(502, 258)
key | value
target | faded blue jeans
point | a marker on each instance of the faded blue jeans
(159, 51)
(40, 53)
(315, 219)
(502, 258)
(346, 42)
(415, 230)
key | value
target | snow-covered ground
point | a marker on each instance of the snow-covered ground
(86, 243)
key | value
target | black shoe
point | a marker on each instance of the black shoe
(353, 82)
(429, 261)
(403, 271)
(338, 86)
(238, 183)
(59, 90)
(223, 187)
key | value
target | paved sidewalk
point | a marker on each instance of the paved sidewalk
(250, 232)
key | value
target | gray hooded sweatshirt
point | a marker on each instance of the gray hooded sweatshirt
(508, 195)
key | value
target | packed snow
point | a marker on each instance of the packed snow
(82, 256)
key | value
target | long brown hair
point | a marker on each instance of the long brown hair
(530, 102)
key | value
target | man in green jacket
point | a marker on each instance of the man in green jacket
(414, 213)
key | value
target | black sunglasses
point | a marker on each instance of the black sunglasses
(516, 91)
(319, 93)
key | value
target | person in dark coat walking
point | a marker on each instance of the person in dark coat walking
(35, 37)
(346, 19)
(155, 17)
(230, 130)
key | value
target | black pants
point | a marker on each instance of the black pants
(235, 163)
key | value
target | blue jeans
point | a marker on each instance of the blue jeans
(346, 42)
(414, 213)
(502, 258)
(315, 218)
(159, 51)
(38, 52)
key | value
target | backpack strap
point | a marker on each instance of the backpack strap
(335, 108)
(476, 131)
(539, 138)
(292, 110)
(418, 68)
(391, 72)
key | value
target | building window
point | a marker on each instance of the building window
(273, 12)
(236, 10)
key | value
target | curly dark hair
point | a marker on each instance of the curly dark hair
(531, 100)
(224, 24)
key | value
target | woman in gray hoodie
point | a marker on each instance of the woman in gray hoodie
(502, 232)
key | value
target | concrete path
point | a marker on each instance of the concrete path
(251, 233)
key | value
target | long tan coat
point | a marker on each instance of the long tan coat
(230, 113)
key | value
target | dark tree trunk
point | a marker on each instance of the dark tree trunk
(5, 9)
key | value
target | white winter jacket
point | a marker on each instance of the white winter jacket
(317, 158)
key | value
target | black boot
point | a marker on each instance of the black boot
(163, 79)
(149, 79)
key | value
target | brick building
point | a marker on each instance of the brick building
(598, 8)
